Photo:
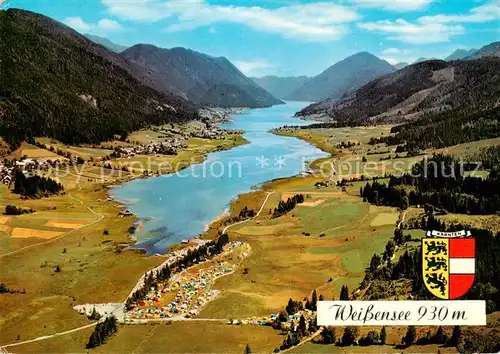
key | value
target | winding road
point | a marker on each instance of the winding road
(258, 213)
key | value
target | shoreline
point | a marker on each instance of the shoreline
(226, 113)
(226, 212)
(196, 160)
(260, 187)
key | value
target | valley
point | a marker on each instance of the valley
(334, 232)
(203, 185)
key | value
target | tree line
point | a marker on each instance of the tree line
(440, 182)
(449, 128)
(102, 331)
(289, 205)
(153, 278)
(35, 186)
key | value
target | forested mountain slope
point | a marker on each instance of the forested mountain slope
(55, 82)
(280, 87)
(345, 76)
(420, 89)
(490, 50)
(199, 77)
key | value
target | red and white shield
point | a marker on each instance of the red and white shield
(448, 264)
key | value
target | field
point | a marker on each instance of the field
(369, 160)
(32, 151)
(281, 247)
(177, 337)
(76, 254)
(71, 250)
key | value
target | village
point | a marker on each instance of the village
(29, 166)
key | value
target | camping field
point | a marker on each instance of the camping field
(72, 250)
(334, 238)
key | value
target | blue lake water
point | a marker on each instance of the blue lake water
(179, 206)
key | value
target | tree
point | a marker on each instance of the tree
(389, 250)
(328, 335)
(94, 315)
(371, 338)
(344, 293)
(455, 336)
(314, 301)
(405, 203)
(398, 236)
(410, 336)
(247, 349)
(383, 336)
(302, 328)
(350, 335)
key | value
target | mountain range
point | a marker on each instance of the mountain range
(490, 50)
(57, 83)
(420, 89)
(400, 65)
(281, 87)
(106, 43)
(199, 77)
(460, 54)
(77, 91)
(345, 76)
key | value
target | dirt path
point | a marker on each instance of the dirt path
(48, 337)
(146, 338)
(100, 217)
(258, 213)
(308, 339)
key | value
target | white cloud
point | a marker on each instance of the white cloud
(256, 67)
(103, 26)
(320, 21)
(392, 51)
(394, 5)
(108, 25)
(77, 23)
(414, 33)
(487, 12)
(398, 55)
(435, 28)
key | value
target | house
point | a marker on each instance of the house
(7, 179)
(125, 213)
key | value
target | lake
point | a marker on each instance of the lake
(180, 206)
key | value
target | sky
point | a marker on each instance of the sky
(285, 38)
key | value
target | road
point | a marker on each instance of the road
(258, 213)
(47, 337)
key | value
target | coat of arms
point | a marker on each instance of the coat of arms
(448, 263)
